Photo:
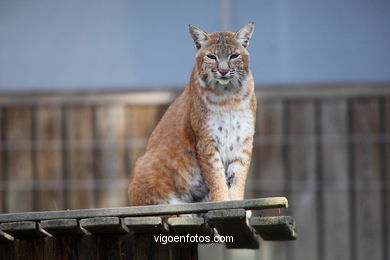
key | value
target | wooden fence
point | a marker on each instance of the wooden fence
(327, 148)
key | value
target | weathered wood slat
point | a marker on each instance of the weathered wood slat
(19, 170)
(48, 149)
(102, 225)
(79, 153)
(146, 224)
(386, 180)
(269, 175)
(63, 227)
(24, 230)
(289, 91)
(335, 175)
(234, 223)
(262, 203)
(110, 132)
(366, 180)
(2, 163)
(275, 228)
(141, 121)
(5, 238)
(190, 225)
(302, 156)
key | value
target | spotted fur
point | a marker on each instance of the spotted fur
(201, 149)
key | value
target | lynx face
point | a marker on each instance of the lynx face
(222, 60)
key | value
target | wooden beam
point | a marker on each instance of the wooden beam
(278, 228)
(146, 224)
(234, 223)
(134, 97)
(63, 227)
(103, 225)
(24, 230)
(5, 238)
(190, 225)
(250, 204)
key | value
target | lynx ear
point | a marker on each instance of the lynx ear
(199, 36)
(245, 33)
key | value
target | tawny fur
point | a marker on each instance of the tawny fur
(201, 149)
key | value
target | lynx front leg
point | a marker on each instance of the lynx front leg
(213, 171)
(237, 173)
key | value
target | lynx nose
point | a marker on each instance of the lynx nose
(223, 71)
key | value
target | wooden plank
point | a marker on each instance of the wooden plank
(268, 177)
(102, 225)
(48, 149)
(88, 98)
(275, 228)
(146, 224)
(112, 179)
(167, 209)
(19, 170)
(233, 223)
(141, 121)
(302, 174)
(79, 152)
(2, 164)
(190, 225)
(5, 238)
(367, 179)
(334, 145)
(386, 177)
(265, 92)
(24, 230)
(323, 91)
(103, 246)
(63, 227)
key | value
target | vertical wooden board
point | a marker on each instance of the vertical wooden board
(268, 174)
(140, 123)
(302, 162)
(48, 149)
(111, 178)
(386, 165)
(2, 153)
(334, 151)
(19, 195)
(79, 153)
(366, 170)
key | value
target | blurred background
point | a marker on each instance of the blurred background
(83, 84)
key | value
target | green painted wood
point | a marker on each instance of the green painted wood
(5, 238)
(278, 228)
(24, 230)
(102, 225)
(146, 224)
(190, 225)
(63, 227)
(262, 203)
(234, 223)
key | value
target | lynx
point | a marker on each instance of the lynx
(201, 149)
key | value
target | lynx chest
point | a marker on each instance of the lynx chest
(230, 131)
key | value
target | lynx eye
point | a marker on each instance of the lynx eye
(210, 56)
(234, 55)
